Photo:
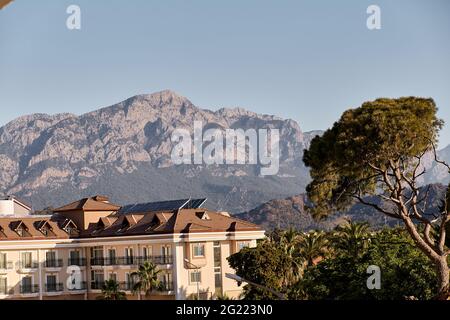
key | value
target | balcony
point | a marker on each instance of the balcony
(80, 262)
(77, 287)
(6, 291)
(54, 287)
(27, 265)
(29, 289)
(53, 263)
(97, 285)
(129, 286)
(126, 286)
(121, 261)
(6, 265)
(131, 261)
(158, 260)
(97, 261)
(167, 286)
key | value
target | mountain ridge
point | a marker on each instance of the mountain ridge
(124, 150)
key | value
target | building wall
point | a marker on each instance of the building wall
(178, 248)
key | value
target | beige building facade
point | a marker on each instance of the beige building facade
(70, 254)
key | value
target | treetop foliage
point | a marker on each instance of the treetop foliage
(365, 141)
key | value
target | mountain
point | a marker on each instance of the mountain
(292, 212)
(124, 151)
(437, 172)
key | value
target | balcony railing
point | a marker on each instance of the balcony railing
(97, 285)
(81, 262)
(167, 286)
(4, 291)
(156, 259)
(131, 261)
(97, 261)
(6, 265)
(76, 287)
(126, 286)
(29, 289)
(54, 287)
(121, 261)
(53, 263)
(28, 265)
(129, 286)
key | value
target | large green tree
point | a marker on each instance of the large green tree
(378, 149)
(405, 271)
(268, 265)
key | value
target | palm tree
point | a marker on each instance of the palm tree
(289, 240)
(148, 280)
(313, 245)
(351, 237)
(111, 291)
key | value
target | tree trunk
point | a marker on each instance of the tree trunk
(440, 261)
(443, 273)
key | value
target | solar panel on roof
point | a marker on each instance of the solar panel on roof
(170, 205)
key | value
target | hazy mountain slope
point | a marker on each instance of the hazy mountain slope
(124, 150)
(292, 212)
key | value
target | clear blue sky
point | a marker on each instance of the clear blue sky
(305, 60)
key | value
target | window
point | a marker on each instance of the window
(129, 255)
(3, 263)
(196, 277)
(97, 279)
(166, 281)
(217, 267)
(198, 249)
(130, 281)
(147, 252)
(51, 283)
(26, 260)
(50, 259)
(27, 284)
(113, 276)
(20, 231)
(46, 229)
(97, 253)
(74, 258)
(50, 255)
(3, 285)
(71, 228)
(112, 256)
(166, 253)
(242, 244)
(74, 255)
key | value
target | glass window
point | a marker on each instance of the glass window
(26, 260)
(2, 260)
(97, 252)
(74, 255)
(199, 249)
(26, 283)
(3, 285)
(196, 277)
(242, 244)
(50, 255)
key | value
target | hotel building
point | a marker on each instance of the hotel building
(70, 253)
